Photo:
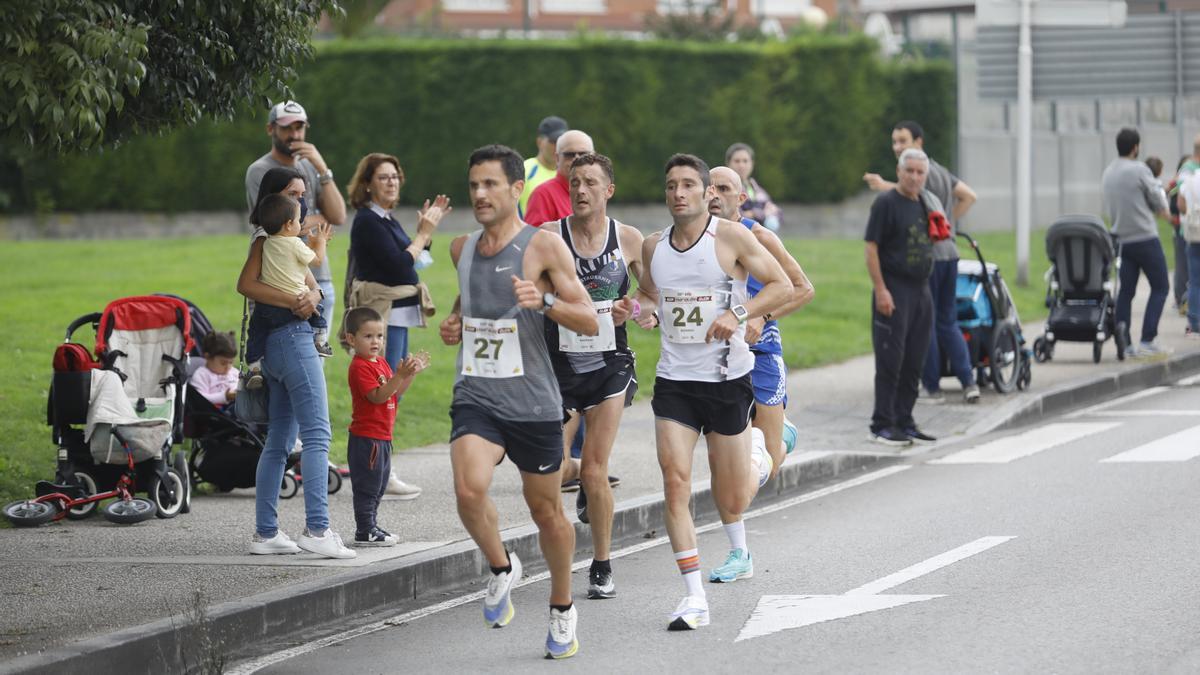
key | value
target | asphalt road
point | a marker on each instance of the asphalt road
(1067, 547)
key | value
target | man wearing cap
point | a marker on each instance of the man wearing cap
(541, 168)
(287, 125)
(552, 199)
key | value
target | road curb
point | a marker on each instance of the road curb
(1030, 408)
(180, 644)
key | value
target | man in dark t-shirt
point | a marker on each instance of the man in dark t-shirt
(900, 260)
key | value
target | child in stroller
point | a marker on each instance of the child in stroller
(217, 379)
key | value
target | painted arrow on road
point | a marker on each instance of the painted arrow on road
(775, 613)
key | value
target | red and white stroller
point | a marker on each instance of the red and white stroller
(117, 419)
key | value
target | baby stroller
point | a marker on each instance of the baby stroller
(225, 448)
(988, 319)
(116, 420)
(1082, 287)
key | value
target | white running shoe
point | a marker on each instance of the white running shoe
(398, 488)
(760, 459)
(498, 608)
(561, 642)
(327, 544)
(691, 614)
(280, 544)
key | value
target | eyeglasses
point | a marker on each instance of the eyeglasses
(572, 155)
(387, 178)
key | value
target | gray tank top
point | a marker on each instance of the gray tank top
(485, 291)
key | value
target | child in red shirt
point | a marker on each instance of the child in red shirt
(373, 391)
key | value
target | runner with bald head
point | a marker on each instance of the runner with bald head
(762, 334)
(552, 199)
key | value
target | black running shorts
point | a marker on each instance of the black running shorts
(719, 407)
(584, 391)
(535, 447)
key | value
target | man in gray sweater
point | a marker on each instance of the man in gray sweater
(1132, 199)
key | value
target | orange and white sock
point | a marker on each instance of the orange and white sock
(689, 566)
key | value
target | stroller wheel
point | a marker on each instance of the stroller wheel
(1043, 350)
(84, 510)
(30, 514)
(1121, 340)
(1005, 359)
(290, 486)
(335, 480)
(129, 512)
(1097, 351)
(168, 496)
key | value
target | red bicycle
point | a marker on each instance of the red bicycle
(55, 502)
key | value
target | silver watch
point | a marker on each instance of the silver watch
(326, 177)
(548, 301)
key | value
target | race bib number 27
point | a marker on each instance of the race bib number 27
(491, 348)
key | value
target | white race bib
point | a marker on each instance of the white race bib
(687, 314)
(491, 348)
(604, 341)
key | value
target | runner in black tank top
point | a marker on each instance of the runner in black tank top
(596, 374)
(503, 362)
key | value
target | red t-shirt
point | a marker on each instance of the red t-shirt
(370, 420)
(550, 201)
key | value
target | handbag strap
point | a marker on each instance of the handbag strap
(242, 342)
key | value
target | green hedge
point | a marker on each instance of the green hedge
(817, 109)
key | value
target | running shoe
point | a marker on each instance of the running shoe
(1151, 350)
(601, 585)
(790, 435)
(571, 485)
(691, 614)
(400, 489)
(498, 608)
(277, 545)
(581, 506)
(930, 397)
(889, 436)
(326, 543)
(324, 350)
(561, 642)
(739, 565)
(971, 394)
(254, 380)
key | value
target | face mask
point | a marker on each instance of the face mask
(303, 209)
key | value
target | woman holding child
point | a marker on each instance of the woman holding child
(292, 370)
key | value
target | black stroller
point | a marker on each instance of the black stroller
(1082, 287)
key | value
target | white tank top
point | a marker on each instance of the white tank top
(693, 291)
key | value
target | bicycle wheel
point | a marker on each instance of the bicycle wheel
(30, 514)
(128, 512)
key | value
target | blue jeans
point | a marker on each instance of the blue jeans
(1136, 258)
(1193, 287)
(327, 303)
(297, 402)
(397, 345)
(946, 335)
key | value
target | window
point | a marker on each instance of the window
(780, 7)
(574, 6)
(688, 6)
(475, 5)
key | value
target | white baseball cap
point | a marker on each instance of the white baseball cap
(287, 113)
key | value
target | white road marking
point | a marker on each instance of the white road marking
(775, 613)
(1188, 381)
(1145, 413)
(254, 665)
(1178, 447)
(1026, 443)
(1151, 391)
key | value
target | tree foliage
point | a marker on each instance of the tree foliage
(78, 74)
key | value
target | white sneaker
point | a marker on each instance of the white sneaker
(930, 398)
(280, 544)
(691, 614)
(971, 394)
(255, 378)
(560, 640)
(498, 608)
(327, 544)
(1152, 349)
(398, 488)
(760, 459)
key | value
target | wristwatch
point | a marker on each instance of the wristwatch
(548, 301)
(326, 177)
(740, 312)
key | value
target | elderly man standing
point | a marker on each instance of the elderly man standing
(552, 199)
(1132, 199)
(900, 259)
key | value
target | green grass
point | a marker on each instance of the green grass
(46, 284)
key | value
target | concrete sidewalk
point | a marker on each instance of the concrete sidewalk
(79, 588)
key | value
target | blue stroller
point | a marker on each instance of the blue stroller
(988, 319)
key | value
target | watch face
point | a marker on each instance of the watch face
(740, 312)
